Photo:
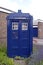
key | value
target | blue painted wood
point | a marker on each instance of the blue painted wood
(19, 40)
(35, 31)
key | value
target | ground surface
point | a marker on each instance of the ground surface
(37, 55)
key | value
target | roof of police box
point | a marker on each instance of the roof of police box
(19, 15)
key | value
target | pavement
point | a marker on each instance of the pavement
(37, 55)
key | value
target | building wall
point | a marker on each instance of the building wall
(40, 30)
(3, 27)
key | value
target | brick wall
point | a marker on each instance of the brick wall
(3, 27)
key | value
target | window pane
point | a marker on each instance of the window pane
(24, 26)
(14, 25)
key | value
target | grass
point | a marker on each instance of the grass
(4, 60)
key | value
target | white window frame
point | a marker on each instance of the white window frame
(14, 25)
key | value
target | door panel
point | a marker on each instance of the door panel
(24, 38)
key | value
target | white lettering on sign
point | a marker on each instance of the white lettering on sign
(14, 25)
(24, 26)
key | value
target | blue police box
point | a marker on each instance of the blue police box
(19, 34)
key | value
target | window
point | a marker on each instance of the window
(24, 26)
(14, 25)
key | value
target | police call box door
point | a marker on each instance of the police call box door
(18, 38)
